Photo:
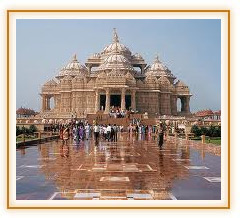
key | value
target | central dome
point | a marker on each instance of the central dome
(116, 46)
(116, 61)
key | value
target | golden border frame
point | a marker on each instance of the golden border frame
(115, 11)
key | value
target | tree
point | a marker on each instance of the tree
(211, 131)
(18, 131)
(196, 130)
(204, 131)
(32, 129)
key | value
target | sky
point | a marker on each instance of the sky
(191, 49)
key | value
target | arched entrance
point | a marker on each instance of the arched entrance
(128, 102)
(183, 104)
(102, 102)
(115, 100)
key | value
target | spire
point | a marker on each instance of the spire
(115, 36)
(156, 60)
(74, 58)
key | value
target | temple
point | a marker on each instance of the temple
(114, 77)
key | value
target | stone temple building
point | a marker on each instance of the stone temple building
(114, 77)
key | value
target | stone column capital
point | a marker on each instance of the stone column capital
(107, 91)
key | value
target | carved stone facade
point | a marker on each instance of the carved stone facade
(114, 77)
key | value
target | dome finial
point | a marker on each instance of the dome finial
(156, 59)
(115, 36)
(74, 57)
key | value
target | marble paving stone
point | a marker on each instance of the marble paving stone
(145, 168)
(33, 166)
(114, 167)
(79, 168)
(87, 195)
(166, 154)
(118, 171)
(114, 179)
(213, 179)
(130, 168)
(180, 160)
(115, 158)
(112, 198)
(62, 196)
(47, 158)
(95, 169)
(19, 177)
(172, 196)
(136, 196)
(196, 167)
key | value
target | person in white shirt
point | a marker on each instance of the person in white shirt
(96, 130)
(108, 132)
(105, 132)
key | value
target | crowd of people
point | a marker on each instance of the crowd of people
(117, 112)
(82, 130)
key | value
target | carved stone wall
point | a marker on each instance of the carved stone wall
(165, 103)
(147, 102)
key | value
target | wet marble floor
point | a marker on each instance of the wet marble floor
(134, 168)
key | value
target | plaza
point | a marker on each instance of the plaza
(133, 168)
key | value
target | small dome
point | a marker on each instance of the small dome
(158, 69)
(50, 83)
(158, 65)
(138, 56)
(73, 68)
(180, 83)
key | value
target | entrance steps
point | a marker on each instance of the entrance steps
(104, 119)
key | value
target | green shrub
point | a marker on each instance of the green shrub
(32, 129)
(212, 131)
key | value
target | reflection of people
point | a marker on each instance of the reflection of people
(66, 134)
(96, 130)
(61, 132)
(109, 132)
(64, 151)
(87, 130)
(160, 133)
(115, 133)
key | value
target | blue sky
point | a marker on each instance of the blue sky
(190, 48)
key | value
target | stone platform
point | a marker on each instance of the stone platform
(133, 168)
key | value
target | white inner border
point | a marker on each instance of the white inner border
(120, 15)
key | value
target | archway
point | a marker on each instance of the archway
(179, 105)
(102, 102)
(52, 103)
(115, 100)
(128, 101)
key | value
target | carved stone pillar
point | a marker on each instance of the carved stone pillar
(186, 104)
(107, 106)
(55, 102)
(133, 100)
(48, 103)
(123, 102)
(174, 104)
(97, 101)
(182, 104)
(43, 103)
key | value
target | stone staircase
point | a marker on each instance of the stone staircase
(101, 118)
